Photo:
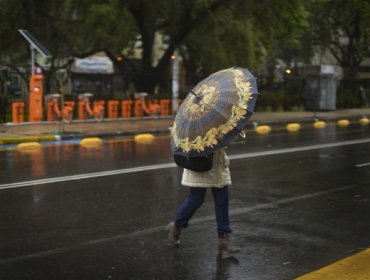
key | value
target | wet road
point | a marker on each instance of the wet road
(299, 201)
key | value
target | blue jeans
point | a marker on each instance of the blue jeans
(196, 198)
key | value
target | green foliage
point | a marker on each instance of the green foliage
(343, 28)
(225, 46)
(347, 98)
(212, 34)
(106, 26)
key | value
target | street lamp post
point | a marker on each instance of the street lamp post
(175, 82)
(33, 54)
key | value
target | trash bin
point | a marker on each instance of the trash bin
(321, 87)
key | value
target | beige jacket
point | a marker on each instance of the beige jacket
(218, 176)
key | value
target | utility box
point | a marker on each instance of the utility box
(321, 87)
(35, 98)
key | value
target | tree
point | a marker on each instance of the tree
(342, 27)
(247, 34)
(68, 29)
(212, 34)
(220, 32)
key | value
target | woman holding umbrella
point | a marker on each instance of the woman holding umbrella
(217, 179)
(213, 114)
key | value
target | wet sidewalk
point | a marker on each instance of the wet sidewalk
(51, 131)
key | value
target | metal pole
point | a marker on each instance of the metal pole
(32, 60)
(175, 83)
(60, 77)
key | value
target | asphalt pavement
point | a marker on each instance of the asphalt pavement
(297, 204)
(11, 133)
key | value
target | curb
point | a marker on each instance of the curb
(249, 127)
(26, 139)
(51, 138)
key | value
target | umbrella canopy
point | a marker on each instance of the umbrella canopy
(214, 112)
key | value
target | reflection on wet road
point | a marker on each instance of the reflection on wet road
(69, 158)
(297, 203)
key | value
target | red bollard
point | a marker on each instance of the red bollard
(113, 109)
(17, 112)
(126, 108)
(165, 107)
(139, 108)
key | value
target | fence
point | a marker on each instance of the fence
(112, 109)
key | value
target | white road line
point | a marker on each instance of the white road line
(300, 149)
(171, 165)
(151, 230)
(363, 164)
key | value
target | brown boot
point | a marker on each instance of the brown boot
(173, 234)
(224, 245)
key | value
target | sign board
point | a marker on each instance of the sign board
(93, 65)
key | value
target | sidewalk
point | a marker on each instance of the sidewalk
(50, 131)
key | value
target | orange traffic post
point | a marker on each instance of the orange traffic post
(35, 97)
(82, 113)
(126, 108)
(98, 104)
(49, 111)
(69, 104)
(165, 107)
(139, 108)
(153, 107)
(17, 112)
(113, 109)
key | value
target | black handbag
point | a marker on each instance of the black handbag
(197, 164)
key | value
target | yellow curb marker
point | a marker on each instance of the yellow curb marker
(343, 123)
(319, 124)
(91, 142)
(293, 127)
(263, 129)
(364, 121)
(29, 147)
(353, 267)
(144, 138)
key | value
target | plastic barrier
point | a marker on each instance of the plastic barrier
(165, 107)
(343, 123)
(139, 108)
(151, 107)
(17, 112)
(113, 109)
(144, 138)
(126, 108)
(68, 107)
(97, 104)
(91, 142)
(82, 112)
(319, 124)
(263, 129)
(49, 111)
(69, 103)
(84, 109)
(364, 121)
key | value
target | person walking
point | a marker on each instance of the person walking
(217, 179)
